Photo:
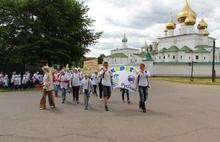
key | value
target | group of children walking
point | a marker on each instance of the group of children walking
(73, 80)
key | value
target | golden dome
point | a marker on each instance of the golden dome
(202, 25)
(190, 20)
(171, 25)
(185, 12)
(205, 32)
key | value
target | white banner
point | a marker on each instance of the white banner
(124, 77)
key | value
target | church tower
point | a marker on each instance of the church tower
(124, 42)
(187, 19)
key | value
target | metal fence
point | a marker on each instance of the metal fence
(19, 68)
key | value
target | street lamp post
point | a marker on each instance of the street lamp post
(192, 68)
(213, 63)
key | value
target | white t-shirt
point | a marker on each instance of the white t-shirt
(75, 79)
(86, 84)
(24, 79)
(17, 80)
(13, 78)
(6, 81)
(64, 81)
(143, 78)
(94, 79)
(106, 77)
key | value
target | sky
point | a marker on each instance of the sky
(143, 20)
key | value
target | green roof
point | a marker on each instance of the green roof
(148, 57)
(142, 54)
(201, 50)
(173, 49)
(163, 50)
(118, 55)
(186, 49)
(201, 46)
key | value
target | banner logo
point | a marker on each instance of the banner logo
(124, 77)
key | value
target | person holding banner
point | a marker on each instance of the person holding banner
(106, 76)
(125, 91)
(143, 85)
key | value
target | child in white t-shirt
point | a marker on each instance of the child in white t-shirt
(87, 89)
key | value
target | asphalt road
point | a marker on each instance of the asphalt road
(176, 113)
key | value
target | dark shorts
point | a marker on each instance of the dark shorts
(106, 91)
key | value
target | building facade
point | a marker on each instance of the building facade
(191, 42)
(173, 53)
(125, 55)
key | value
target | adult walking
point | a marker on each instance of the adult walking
(47, 89)
(143, 85)
(56, 76)
(76, 82)
(94, 79)
(63, 85)
(106, 76)
(100, 85)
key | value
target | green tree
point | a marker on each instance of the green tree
(54, 31)
(100, 58)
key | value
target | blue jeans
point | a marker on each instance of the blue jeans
(56, 88)
(63, 94)
(125, 91)
(143, 92)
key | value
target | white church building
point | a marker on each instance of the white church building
(175, 50)
(125, 55)
(186, 43)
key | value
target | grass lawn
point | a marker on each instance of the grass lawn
(13, 90)
(203, 81)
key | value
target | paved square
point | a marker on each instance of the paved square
(177, 113)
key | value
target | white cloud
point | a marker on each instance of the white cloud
(144, 20)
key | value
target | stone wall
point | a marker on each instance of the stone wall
(182, 69)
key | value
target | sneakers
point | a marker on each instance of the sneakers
(140, 105)
(129, 102)
(106, 108)
(144, 110)
(52, 107)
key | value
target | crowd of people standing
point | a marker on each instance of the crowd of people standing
(19, 81)
(75, 81)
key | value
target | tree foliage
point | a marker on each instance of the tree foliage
(53, 31)
(101, 58)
